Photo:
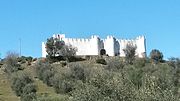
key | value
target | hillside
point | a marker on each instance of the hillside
(98, 79)
(6, 94)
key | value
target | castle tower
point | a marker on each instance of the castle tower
(109, 45)
(44, 53)
(141, 46)
(94, 45)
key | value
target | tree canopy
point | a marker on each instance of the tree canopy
(130, 52)
(156, 55)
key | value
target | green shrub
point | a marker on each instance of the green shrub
(115, 64)
(52, 59)
(62, 84)
(151, 91)
(77, 72)
(48, 77)
(29, 97)
(34, 59)
(74, 58)
(87, 93)
(44, 72)
(29, 59)
(29, 92)
(24, 59)
(40, 68)
(11, 63)
(130, 52)
(101, 61)
(63, 63)
(139, 62)
(80, 71)
(135, 75)
(19, 81)
(156, 56)
(105, 85)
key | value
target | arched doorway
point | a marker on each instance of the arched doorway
(102, 52)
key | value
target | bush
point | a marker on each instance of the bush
(135, 75)
(53, 45)
(74, 59)
(52, 59)
(48, 77)
(11, 63)
(24, 59)
(29, 88)
(34, 59)
(19, 81)
(105, 85)
(77, 72)
(151, 91)
(80, 71)
(87, 93)
(68, 53)
(67, 78)
(44, 72)
(139, 62)
(62, 84)
(130, 52)
(115, 64)
(57, 48)
(29, 97)
(156, 56)
(63, 63)
(101, 61)
(29, 92)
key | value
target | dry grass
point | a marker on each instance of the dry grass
(6, 93)
(41, 87)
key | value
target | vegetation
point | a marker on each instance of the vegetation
(21, 83)
(156, 56)
(23, 86)
(53, 45)
(104, 79)
(57, 50)
(101, 61)
(11, 63)
(24, 59)
(44, 72)
(116, 81)
(130, 53)
(6, 93)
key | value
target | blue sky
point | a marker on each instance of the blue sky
(33, 21)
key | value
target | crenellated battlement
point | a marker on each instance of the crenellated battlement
(94, 44)
(77, 40)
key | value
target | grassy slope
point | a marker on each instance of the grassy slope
(6, 93)
(41, 87)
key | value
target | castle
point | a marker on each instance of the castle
(94, 46)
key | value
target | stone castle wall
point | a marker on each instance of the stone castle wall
(93, 45)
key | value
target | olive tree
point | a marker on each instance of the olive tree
(156, 56)
(68, 51)
(11, 62)
(130, 52)
(53, 45)
(19, 81)
(56, 48)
